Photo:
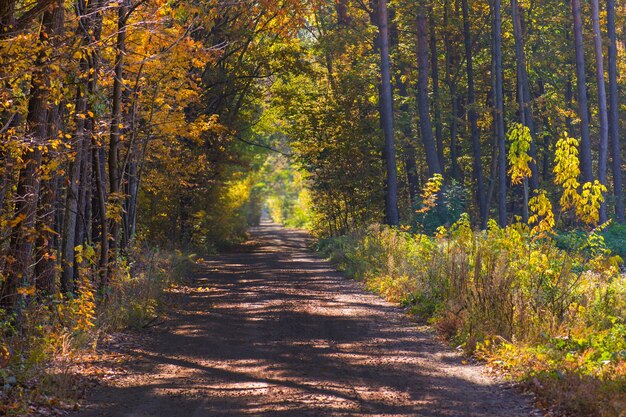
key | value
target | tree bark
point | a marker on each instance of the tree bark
(71, 201)
(498, 100)
(616, 156)
(526, 113)
(602, 109)
(426, 129)
(27, 194)
(116, 125)
(386, 114)
(473, 119)
(586, 166)
(408, 147)
(47, 242)
(434, 70)
(454, 100)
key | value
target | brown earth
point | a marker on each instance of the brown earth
(276, 331)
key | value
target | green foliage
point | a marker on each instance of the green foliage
(615, 239)
(448, 208)
(504, 295)
(61, 326)
(519, 138)
(287, 198)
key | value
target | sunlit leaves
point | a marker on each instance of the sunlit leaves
(519, 138)
(567, 170)
(542, 217)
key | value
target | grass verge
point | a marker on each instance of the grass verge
(49, 349)
(551, 318)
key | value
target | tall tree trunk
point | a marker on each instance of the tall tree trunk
(586, 167)
(426, 129)
(71, 201)
(46, 244)
(569, 96)
(406, 129)
(98, 159)
(526, 113)
(473, 119)
(116, 125)
(27, 194)
(602, 110)
(434, 70)
(498, 100)
(386, 114)
(454, 101)
(616, 156)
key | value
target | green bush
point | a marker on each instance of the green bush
(524, 302)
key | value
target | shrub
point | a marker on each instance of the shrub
(518, 300)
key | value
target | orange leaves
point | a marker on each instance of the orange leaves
(26, 291)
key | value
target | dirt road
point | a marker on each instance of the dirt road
(280, 333)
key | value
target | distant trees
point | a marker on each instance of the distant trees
(103, 145)
(104, 129)
(504, 64)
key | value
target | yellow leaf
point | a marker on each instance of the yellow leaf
(26, 290)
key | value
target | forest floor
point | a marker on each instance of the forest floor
(273, 330)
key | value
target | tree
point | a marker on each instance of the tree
(613, 119)
(27, 194)
(426, 128)
(386, 116)
(602, 110)
(581, 82)
(472, 116)
(498, 100)
(524, 90)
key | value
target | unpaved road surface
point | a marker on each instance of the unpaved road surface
(275, 331)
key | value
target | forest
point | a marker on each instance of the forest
(462, 158)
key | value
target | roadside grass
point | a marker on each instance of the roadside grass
(49, 351)
(550, 318)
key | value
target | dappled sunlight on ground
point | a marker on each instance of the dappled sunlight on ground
(276, 331)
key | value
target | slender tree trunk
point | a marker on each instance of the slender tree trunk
(616, 156)
(434, 70)
(116, 125)
(498, 100)
(426, 129)
(569, 95)
(71, 201)
(454, 101)
(386, 110)
(473, 119)
(98, 158)
(526, 113)
(407, 144)
(602, 113)
(586, 167)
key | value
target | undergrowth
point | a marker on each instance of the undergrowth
(40, 344)
(549, 317)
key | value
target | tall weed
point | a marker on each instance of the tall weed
(541, 312)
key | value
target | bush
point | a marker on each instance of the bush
(39, 346)
(520, 301)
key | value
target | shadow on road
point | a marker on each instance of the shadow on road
(280, 333)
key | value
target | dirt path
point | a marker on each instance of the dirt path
(280, 333)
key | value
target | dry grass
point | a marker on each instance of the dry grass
(552, 318)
